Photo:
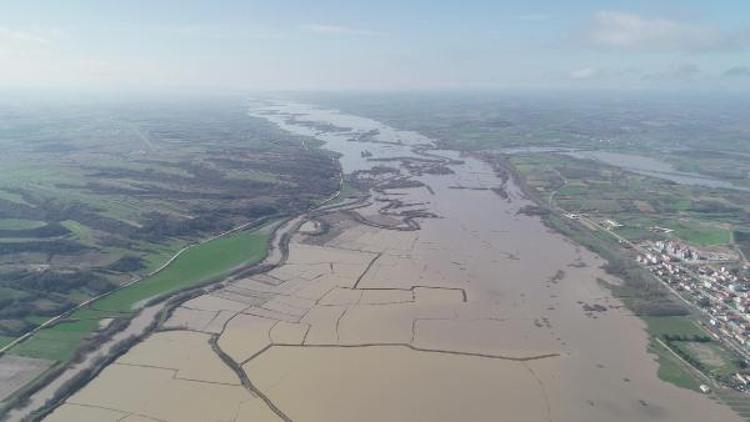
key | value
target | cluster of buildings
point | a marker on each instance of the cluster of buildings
(722, 293)
(676, 250)
(741, 381)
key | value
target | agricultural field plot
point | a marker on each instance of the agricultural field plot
(710, 356)
(196, 265)
(5, 340)
(637, 228)
(742, 240)
(676, 339)
(19, 224)
(672, 369)
(56, 343)
(677, 326)
(697, 215)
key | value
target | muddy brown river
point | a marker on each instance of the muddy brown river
(432, 299)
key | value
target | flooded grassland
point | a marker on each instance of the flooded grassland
(432, 298)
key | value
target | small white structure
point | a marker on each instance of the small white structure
(705, 389)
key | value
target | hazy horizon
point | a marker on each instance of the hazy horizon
(336, 45)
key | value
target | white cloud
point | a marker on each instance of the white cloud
(676, 73)
(38, 56)
(585, 73)
(24, 42)
(12, 38)
(631, 31)
(535, 17)
(737, 71)
(338, 30)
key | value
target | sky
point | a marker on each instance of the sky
(232, 45)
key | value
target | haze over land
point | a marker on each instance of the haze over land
(337, 211)
(226, 45)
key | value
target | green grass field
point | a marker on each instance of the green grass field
(742, 240)
(37, 319)
(196, 265)
(19, 224)
(699, 234)
(673, 325)
(13, 293)
(714, 359)
(637, 227)
(12, 197)
(634, 233)
(5, 340)
(672, 370)
(57, 343)
(94, 314)
(82, 233)
(158, 254)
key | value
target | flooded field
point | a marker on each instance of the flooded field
(432, 299)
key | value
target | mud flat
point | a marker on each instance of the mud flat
(470, 312)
